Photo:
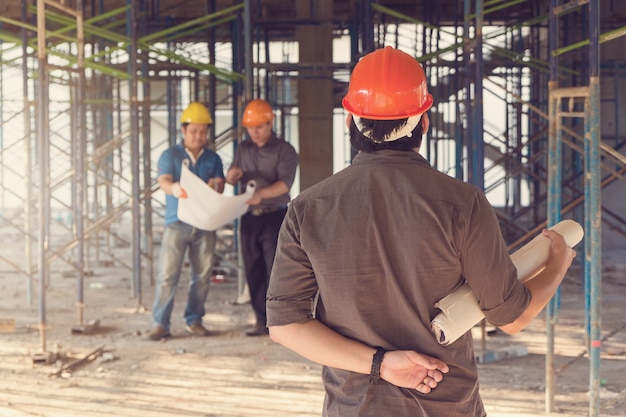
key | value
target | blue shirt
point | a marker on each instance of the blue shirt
(208, 165)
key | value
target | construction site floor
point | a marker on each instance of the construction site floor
(105, 366)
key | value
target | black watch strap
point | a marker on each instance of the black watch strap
(377, 360)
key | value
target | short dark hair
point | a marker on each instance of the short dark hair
(380, 129)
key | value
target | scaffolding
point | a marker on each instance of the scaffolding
(95, 92)
(83, 181)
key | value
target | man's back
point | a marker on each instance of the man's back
(385, 239)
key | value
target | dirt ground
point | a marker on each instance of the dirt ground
(229, 374)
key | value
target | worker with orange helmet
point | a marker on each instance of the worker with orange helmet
(364, 255)
(271, 163)
(179, 237)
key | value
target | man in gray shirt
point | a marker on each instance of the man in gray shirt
(271, 163)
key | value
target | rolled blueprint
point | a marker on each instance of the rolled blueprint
(460, 311)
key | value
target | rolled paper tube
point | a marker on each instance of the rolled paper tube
(460, 310)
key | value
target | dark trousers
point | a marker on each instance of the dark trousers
(259, 235)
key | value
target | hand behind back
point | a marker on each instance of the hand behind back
(409, 369)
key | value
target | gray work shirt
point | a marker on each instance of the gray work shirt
(275, 161)
(382, 241)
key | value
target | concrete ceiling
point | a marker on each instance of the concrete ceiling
(438, 12)
(277, 15)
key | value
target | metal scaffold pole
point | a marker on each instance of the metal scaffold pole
(43, 158)
(593, 207)
(28, 165)
(79, 163)
(477, 158)
(554, 196)
(467, 82)
(134, 151)
(146, 137)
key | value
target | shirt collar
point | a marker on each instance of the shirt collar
(194, 159)
(390, 156)
(190, 155)
(273, 139)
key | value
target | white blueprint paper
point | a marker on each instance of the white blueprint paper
(460, 310)
(204, 207)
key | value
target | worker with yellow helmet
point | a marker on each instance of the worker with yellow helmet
(364, 255)
(271, 163)
(180, 238)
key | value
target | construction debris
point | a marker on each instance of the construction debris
(79, 362)
(88, 328)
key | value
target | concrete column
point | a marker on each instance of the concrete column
(315, 91)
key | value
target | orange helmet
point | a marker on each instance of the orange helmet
(196, 113)
(256, 113)
(387, 84)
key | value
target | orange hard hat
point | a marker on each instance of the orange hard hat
(387, 84)
(196, 113)
(256, 113)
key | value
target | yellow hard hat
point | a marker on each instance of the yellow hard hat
(196, 113)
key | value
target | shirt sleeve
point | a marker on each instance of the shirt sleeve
(165, 165)
(487, 265)
(218, 172)
(237, 158)
(292, 288)
(287, 165)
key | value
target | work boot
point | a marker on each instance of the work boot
(158, 332)
(196, 329)
(258, 330)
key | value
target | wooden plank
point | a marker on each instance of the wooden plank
(7, 325)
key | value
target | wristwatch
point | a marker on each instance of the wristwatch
(377, 360)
